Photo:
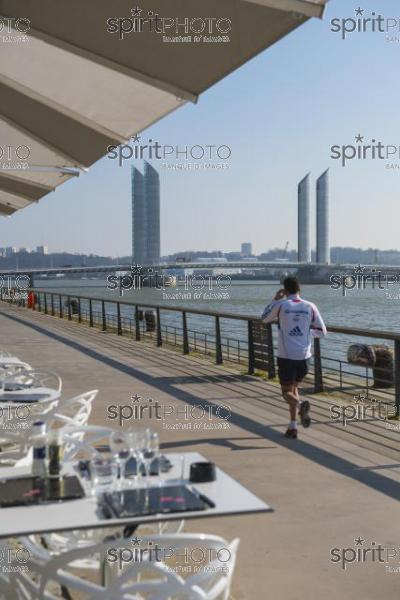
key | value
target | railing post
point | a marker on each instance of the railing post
(318, 380)
(69, 308)
(103, 316)
(119, 325)
(397, 376)
(90, 313)
(60, 306)
(218, 345)
(52, 306)
(250, 342)
(79, 311)
(39, 305)
(45, 304)
(186, 348)
(137, 324)
(270, 350)
(159, 336)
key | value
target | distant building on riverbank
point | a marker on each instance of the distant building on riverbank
(323, 245)
(145, 216)
(303, 220)
(247, 249)
(323, 251)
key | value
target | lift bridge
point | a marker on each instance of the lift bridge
(307, 272)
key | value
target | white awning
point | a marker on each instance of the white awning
(70, 86)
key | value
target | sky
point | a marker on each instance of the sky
(280, 114)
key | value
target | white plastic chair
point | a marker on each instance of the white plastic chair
(15, 436)
(74, 412)
(7, 577)
(81, 439)
(156, 579)
(76, 439)
(13, 364)
(15, 445)
(16, 428)
(34, 395)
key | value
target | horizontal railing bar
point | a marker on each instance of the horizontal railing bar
(236, 350)
(383, 335)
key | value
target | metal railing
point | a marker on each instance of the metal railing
(253, 344)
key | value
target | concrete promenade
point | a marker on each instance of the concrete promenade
(332, 485)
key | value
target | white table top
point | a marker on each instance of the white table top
(35, 396)
(229, 496)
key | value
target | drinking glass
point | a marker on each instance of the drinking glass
(142, 443)
(103, 474)
(120, 448)
(151, 451)
(137, 442)
(179, 471)
(183, 465)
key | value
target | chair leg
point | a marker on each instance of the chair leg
(105, 573)
(65, 593)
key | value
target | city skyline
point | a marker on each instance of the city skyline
(296, 83)
(234, 251)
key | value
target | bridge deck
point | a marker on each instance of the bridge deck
(329, 487)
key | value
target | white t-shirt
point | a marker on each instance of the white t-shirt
(298, 322)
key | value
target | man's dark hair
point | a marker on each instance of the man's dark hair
(291, 285)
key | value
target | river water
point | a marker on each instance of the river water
(369, 308)
(365, 308)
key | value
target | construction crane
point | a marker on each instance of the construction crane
(285, 250)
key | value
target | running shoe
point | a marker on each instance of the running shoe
(291, 433)
(304, 413)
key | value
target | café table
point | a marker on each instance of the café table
(28, 396)
(28, 388)
(19, 408)
(229, 496)
(13, 362)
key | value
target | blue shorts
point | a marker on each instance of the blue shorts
(292, 371)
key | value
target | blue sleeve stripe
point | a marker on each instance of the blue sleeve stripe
(267, 310)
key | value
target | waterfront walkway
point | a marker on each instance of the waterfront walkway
(333, 485)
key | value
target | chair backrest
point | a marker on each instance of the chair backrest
(16, 429)
(81, 439)
(7, 586)
(73, 411)
(16, 443)
(150, 569)
(16, 420)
